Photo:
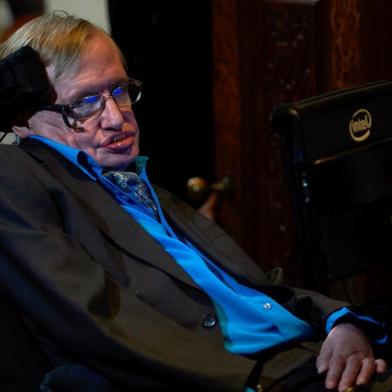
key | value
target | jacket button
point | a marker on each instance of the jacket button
(209, 320)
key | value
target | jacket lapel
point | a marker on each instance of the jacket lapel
(109, 216)
(212, 241)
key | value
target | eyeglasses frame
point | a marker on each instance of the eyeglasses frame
(66, 109)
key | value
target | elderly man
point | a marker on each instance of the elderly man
(126, 281)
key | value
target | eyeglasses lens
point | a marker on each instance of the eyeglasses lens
(125, 95)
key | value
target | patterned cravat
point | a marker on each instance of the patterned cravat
(132, 184)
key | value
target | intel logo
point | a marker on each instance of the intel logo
(360, 125)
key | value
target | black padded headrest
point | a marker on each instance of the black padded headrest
(23, 83)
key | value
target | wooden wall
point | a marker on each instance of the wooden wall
(266, 52)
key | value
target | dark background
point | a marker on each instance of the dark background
(167, 45)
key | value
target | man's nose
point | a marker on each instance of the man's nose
(112, 116)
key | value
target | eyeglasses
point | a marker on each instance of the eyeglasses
(125, 94)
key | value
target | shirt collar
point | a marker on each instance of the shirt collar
(76, 156)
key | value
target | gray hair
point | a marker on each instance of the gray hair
(58, 38)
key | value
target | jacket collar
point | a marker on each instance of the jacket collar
(212, 240)
(109, 216)
(116, 224)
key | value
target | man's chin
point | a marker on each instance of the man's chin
(116, 163)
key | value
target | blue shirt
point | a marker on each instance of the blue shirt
(250, 320)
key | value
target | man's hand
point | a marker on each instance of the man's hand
(347, 358)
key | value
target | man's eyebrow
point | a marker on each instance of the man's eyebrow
(96, 90)
(119, 82)
(85, 92)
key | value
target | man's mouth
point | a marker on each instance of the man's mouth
(118, 138)
(120, 141)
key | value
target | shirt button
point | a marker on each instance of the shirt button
(267, 306)
(209, 320)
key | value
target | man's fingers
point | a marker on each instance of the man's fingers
(335, 369)
(322, 364)
(381, 365)
(349, 375)
(356, 372)
(366, 371)
(323, 360)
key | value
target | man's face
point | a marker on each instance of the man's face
(110, 137)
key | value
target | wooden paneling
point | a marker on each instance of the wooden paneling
(273, 45)
(271, 51)
(345, 50)
(227, 110)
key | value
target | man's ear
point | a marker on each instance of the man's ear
(28, 121)
(22, 132)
